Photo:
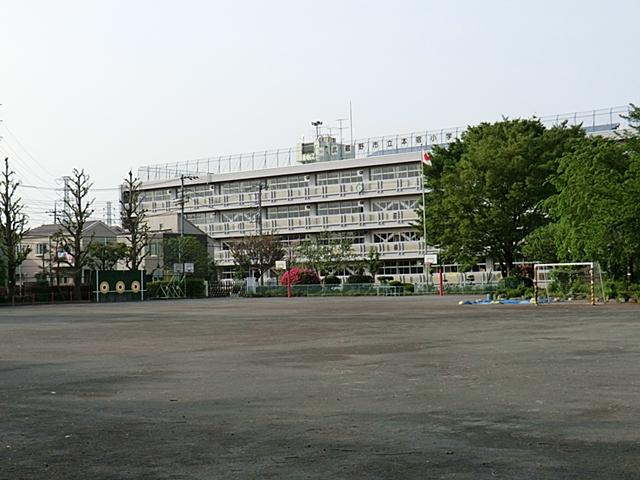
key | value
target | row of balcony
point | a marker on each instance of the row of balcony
(387, 251)
(354, 221)
(206, 200)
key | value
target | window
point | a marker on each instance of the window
(338, 177)
(293, 239)
(355, 238)
(340, 208)
(155, 248)
(238, 216)
(41, 248)
(201, 218)
(401, 267)
(284, 183)
(291, 211)
(393, 205)
(196, 191)
(395, 171)
(400, 236)
(239, 187)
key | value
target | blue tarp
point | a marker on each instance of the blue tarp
(506, 301)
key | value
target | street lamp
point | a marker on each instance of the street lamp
(317, 124)
(183, 177)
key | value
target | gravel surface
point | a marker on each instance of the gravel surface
(320, 388)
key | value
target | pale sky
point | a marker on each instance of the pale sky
(112, 85)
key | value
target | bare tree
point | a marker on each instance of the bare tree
(74, 221)
(326, 254)
(134, 221)
(259, 252)
(13, 225)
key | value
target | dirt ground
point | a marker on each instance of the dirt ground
(320, 388)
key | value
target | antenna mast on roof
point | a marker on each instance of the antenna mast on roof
(340, 120)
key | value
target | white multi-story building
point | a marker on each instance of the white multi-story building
(365, 190)
(371, 201)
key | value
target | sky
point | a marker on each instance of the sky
(109, 86)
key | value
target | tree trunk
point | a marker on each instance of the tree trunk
(77, 285)
(11, 280)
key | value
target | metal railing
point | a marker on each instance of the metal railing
(207, 201)
(386, 250)
(314, 223)
(368, 289)
(606, 119)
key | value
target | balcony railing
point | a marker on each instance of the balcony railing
(391, 250)
(354, 221)
(204, 201)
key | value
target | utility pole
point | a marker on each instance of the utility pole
(181, 246)
(65, 195)
(261, 186)
(54, 212)
(109, 218)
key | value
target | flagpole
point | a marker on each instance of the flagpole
(424, 220)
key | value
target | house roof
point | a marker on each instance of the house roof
(52, 228)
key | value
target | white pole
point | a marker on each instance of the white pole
(97, 286)
(142, 285)
(351, 129)
(424, 222)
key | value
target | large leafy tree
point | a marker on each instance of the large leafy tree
(78, 209)
(258, 252)
(134, 221)
(596, 210)
(485, 189)
(13, 226)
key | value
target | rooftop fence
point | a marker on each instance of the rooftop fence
(594, 121)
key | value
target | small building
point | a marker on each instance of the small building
(48, 258)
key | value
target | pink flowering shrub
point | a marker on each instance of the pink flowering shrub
(300, 276)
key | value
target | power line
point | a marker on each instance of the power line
(60, 189)
(13, 155)
(25, 150)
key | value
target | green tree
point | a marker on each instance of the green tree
(73, 223)
(193, 251)
(13, 226)
(596, 211)
(258, 252)
(105, 256)
(541, 245)
(373, 261)
(485, 189)
(134, 221)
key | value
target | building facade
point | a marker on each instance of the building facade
(371, 202)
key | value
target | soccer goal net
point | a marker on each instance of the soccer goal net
(568, 281)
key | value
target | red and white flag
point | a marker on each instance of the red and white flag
(426, 158)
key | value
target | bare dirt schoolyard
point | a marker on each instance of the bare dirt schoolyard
(319, 388)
